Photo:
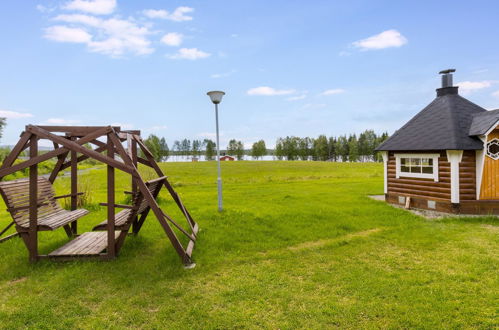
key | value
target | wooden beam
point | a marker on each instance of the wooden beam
(33, 201)
(111, 247)
(18, 148)
(77, 146)
(74, 130)
(50, 154)
(74, 187)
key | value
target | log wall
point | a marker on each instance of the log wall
(417, 187)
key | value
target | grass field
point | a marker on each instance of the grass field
(299, 245)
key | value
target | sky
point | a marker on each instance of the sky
(299, 68)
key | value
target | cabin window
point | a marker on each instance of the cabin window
(417, 166)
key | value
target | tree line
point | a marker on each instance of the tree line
(351, 148)
(344, 148)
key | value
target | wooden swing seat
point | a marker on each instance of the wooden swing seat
(50, 214)
(139, 206)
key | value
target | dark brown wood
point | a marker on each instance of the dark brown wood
(75, 130)
(6, 238)
(77, 146)
(18, 148)
(74, 187)
(68, 195)
(121, 206)
(33, 201)
(111, 251)
(37, 210)
(132, 150)
(48, 155)
(58, 166)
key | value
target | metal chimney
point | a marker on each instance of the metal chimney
(447, 77)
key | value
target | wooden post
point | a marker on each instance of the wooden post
(133, 151)
(33, 202)
(111, 248)
(74, 187)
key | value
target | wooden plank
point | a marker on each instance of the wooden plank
(89, 243)
(74, 130)
(14, 153)
(77, 146)
(48, 155)
(111, 251)
(33, 201)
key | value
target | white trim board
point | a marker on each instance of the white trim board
(433, 156)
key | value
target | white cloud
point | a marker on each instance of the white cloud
(333, 91)
(155, 13)
(178, 15)
(296, 98)
(189, 54)
(386, 39)
(44, 9)
(14, 114)
(96, 7)
(269, 91)
(61, 121)
(496, 94)
(114, 37)
(172, 39)
(158, 128)
(61, 33)
(222, 75)
(467, 87)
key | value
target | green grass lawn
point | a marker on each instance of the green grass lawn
(299, 245)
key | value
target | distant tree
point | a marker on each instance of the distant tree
(235, 148)
(342, 148)
(232, 147)
(331, 144)
(196, 148)
(3, 123)
(305, 148)
(154, 145)
(258, 149)
(165, 151)
(321, 149)
(279, 149)
(239, 150)
(353, 148)
(185, 147)
(209, 149)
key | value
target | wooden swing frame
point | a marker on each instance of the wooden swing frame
(70, 144)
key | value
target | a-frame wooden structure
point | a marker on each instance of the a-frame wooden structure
(68, 142)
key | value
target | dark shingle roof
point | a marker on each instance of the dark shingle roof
(443, 125)
(483, 121)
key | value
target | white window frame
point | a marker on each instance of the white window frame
(433, 176)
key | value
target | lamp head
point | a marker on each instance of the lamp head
(216, 96)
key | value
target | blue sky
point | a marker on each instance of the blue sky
(288, 67)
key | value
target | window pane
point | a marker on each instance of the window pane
(404, 169)
(415, 169)
(428, 169)
(427, 161)
(404, 161)
(415, 161)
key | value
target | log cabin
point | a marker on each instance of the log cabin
(446, 158)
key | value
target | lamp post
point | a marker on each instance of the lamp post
(216, 98)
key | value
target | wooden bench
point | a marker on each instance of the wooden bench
(51, 216)
(139, 207)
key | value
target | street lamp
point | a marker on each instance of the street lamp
(216, 98)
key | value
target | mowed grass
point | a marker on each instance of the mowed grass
(299, 245)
